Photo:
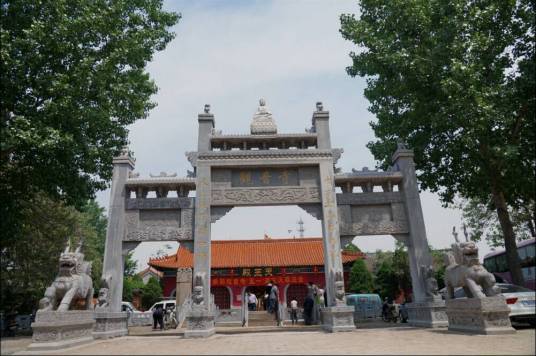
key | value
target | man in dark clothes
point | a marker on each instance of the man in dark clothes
(308, 306)
(158, 317)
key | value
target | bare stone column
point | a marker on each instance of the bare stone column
(184, 285)
(426, 310)
(112, 268)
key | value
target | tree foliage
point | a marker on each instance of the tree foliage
(483, 223)
(361, 280)
(152, 293)
(29, 264)
(73, 79)
(455, 80)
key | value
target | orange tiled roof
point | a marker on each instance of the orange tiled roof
(257, 253)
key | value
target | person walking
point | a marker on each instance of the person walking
(252, 301)
(274, 302)
(294, 311)
(267, 291)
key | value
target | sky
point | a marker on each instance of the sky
(231, 53)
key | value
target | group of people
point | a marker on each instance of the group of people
(270, 301)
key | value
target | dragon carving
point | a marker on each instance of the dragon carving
(72, 284)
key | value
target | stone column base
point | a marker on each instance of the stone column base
(200, 323)
(54, 330)
(430, 314)
(110, 324)
(338, 318)
(488, 315)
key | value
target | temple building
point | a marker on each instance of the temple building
(238, 265)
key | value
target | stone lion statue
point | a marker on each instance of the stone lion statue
(72, 284)
(464, 270)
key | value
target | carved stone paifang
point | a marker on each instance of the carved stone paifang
(245, 196)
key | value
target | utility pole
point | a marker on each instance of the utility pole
(301, 229)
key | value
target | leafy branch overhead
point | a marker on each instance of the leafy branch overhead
(455, 79)
(73, 79)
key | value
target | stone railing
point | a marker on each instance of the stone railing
(140, 319)
(161, 185)
(368, 179)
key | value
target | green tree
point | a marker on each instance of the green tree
(73, 78)
(361, 280)
(483, 223)
(130, 284)
(385, 282)
(130, 266)
(30, 264)
(455, 80)
(152, 292)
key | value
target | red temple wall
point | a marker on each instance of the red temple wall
(236, 284)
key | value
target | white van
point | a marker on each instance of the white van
(165, 304)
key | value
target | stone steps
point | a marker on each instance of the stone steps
(261, 318)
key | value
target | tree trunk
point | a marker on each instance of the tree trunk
(509, 236)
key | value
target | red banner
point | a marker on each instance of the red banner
(256, 281)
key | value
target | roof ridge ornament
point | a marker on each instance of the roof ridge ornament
(263, 123)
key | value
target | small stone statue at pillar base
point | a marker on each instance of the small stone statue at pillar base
(108, 324)
(429, 313)
(337, 316)
(200, 321)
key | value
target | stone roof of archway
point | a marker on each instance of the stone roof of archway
(272, 252)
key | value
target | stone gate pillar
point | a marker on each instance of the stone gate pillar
(427, 309)
(112, 268)
(337, 316)
(200, 322)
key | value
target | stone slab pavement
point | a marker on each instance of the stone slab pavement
(395, 340)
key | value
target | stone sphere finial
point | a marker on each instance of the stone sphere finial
(207, 108)
(319, 106)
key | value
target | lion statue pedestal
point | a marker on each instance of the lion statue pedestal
(484, 311)
(57, 325)
(54, 330)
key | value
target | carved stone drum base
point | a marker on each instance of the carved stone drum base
(338, 318)
(200, 323)
(427, 314)
(58, 330)
(110, 325)
(479, 316)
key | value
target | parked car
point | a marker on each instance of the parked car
(521, 301)
(135, 316)
(365, 305)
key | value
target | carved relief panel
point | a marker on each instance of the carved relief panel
(261, 186)
(371, 214)
(158, 225)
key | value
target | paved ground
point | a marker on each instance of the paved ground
(393, 340)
